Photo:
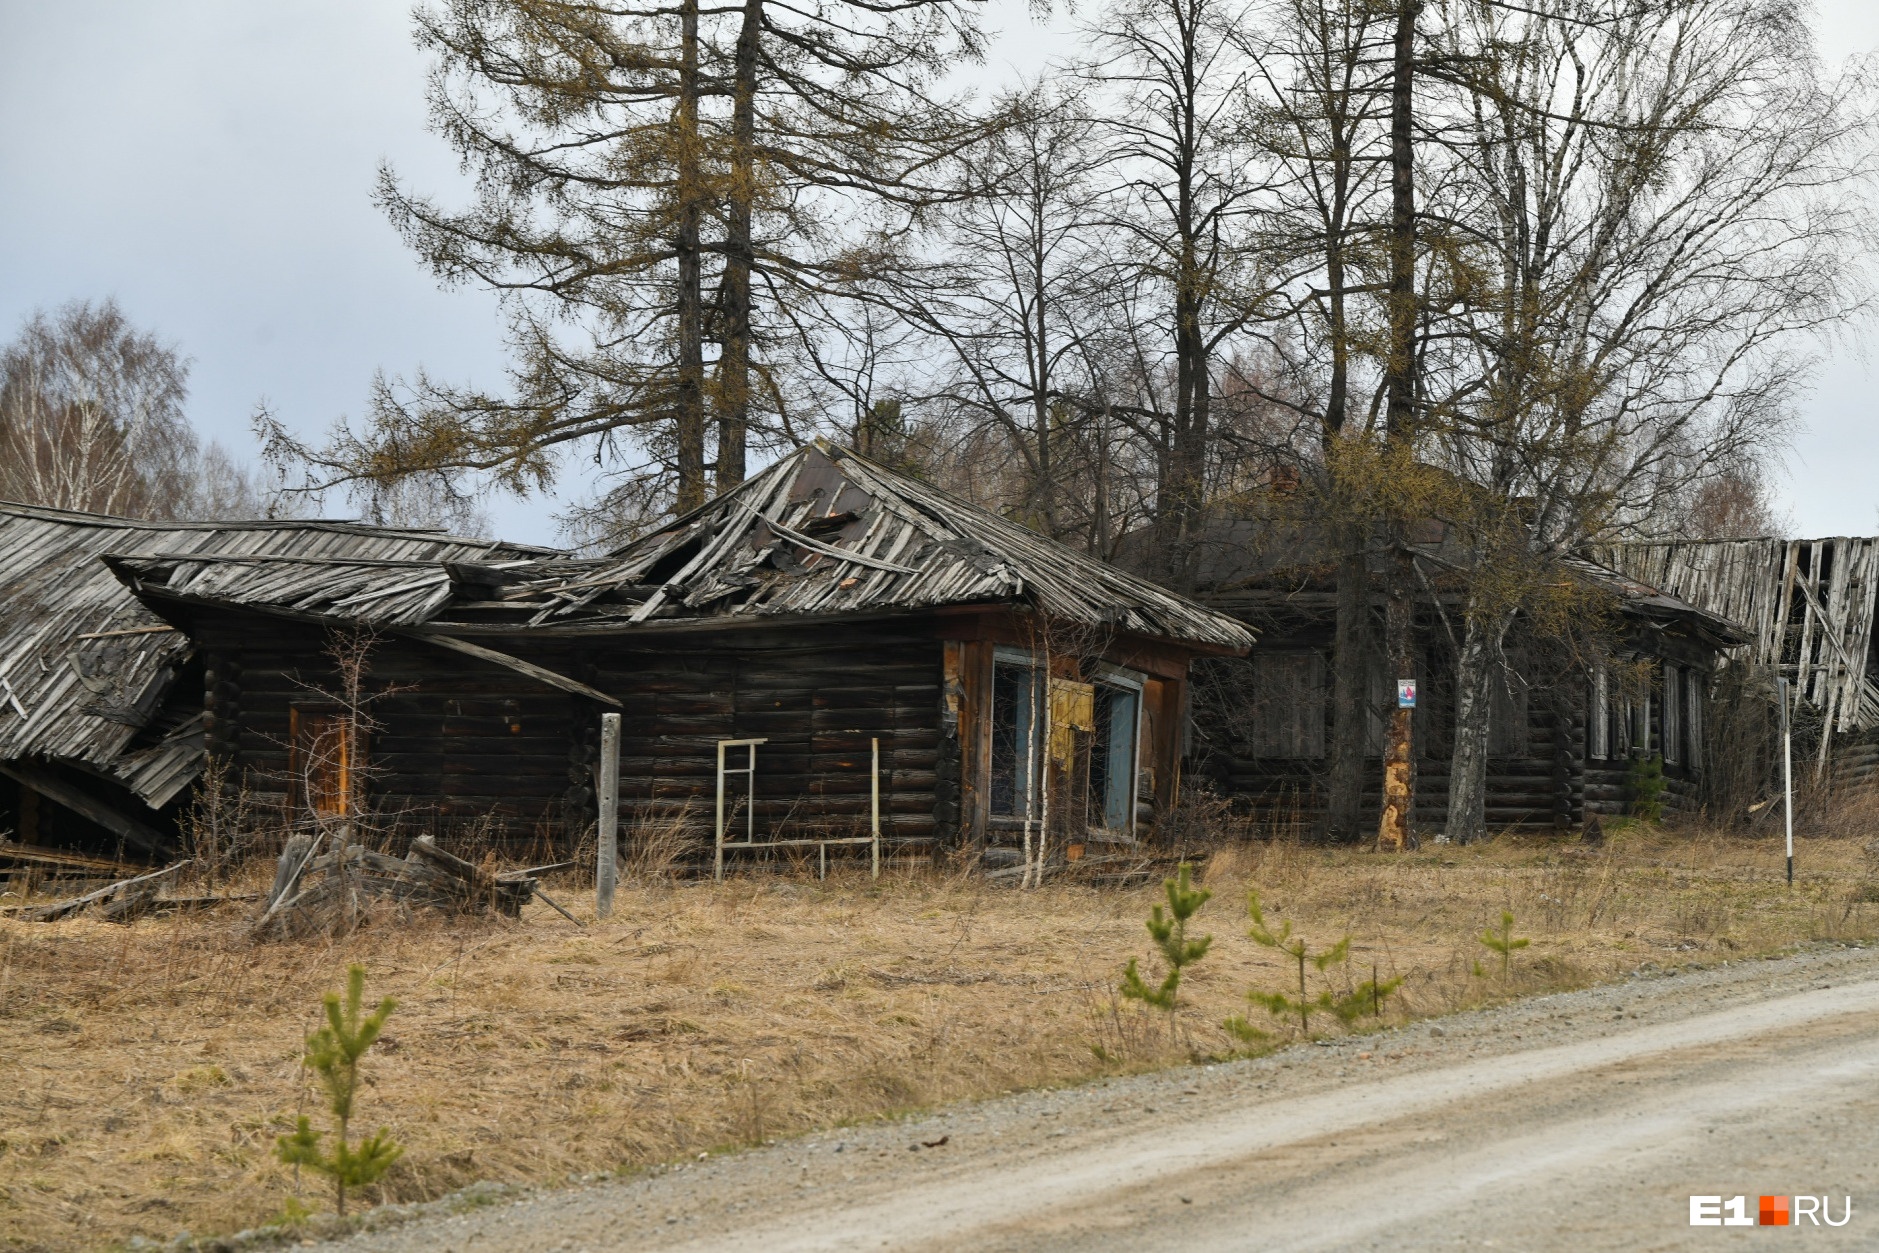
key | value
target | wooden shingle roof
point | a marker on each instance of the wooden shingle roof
(84, 664)
(823, 532)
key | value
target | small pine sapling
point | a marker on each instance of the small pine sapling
(1504, 942)
(1170, 932)
(1645, 782)
(1278, 1004)
(333, 1052)
(1366, 998)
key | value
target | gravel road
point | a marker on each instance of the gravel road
(1579, 1121)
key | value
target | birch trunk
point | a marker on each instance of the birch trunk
(1468, 768)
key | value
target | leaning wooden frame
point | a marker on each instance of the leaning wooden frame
(820, 843)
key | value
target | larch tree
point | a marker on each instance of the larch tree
(653, 181)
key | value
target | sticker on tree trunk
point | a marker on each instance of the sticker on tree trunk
(1405, 693)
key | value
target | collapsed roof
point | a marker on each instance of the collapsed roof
(85, 667)
(1245, 561)
(822, 532)
(1808, 605)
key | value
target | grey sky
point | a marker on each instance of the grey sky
(210, 164)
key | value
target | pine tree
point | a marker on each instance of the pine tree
(1278, 1004)
(1506, 943)
(334, 1052)
(1170, 932)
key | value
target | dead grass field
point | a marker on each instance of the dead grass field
(152, 1065)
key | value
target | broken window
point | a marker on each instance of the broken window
(1015, 719)
(1598, 727)
(1694, 693)
(1673, 711)
(1091, 749)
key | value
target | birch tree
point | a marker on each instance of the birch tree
(1665, 204)
(91, 416)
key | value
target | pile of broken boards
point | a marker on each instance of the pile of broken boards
(122, 901)
(337, 891)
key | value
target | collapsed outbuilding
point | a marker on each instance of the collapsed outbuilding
(105, 707)
(1809, 607)
(830, 652)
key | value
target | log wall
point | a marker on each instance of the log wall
(1551, 786)
(458, 739)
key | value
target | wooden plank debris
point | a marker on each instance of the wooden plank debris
(333, 891)
(115, 902)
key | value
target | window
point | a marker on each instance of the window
(1091, 751)
(1598, 727)
(1673, 710)
(325, 761)
(1693, 695)
(1015, 715)
(1288, 705)
(1118, 710)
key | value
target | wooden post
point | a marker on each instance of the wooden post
(874, 808)
(607, 852)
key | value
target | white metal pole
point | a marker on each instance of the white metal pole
(1787, 773)
(874, 808)
(607, 852)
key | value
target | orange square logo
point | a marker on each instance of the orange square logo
(1774, 1211)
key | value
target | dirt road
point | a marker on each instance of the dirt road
(1581, 1121)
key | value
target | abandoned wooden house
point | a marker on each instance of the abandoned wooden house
(829, 652)
(1808, 605)
(1566, 724)
(102, 717)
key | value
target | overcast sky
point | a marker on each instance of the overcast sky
(210, 164)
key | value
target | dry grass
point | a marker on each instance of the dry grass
(153, 1064)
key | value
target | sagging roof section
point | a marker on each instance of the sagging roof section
(85, 666)
(822, 532)
(1245, 563)
(1808, 606)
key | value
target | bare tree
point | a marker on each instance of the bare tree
(1324, 125)
(91, 415)
(1007, 293)
(1662, 201)
(1171, 85)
